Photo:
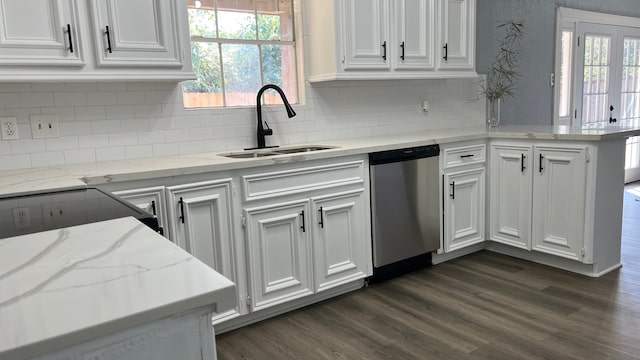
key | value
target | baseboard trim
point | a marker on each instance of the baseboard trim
(276, 310)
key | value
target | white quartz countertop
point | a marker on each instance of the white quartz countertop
(62, 287)
(72, 176)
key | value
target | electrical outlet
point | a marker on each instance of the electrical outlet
(45, 126)
(55, 213)
(9, 128)
(21, 218)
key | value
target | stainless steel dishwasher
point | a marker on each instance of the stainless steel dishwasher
(405, 209)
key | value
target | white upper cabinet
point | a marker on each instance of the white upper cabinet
(39, 32)
(136, 33)
(415, 34)
(390, 39)
(94, 40)
(366, 34)
(457, 34)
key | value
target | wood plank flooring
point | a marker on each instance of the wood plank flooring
(481, 306)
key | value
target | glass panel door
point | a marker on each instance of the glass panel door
(630, 97)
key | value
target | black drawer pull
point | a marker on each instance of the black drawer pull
(70, 38)
(453, 190)
(181, 202)
(522, 167)
(108, 39)
(321, 217)
(384, 50)
(541, 168)
(466, 156)
(446, 52)
(302, 226)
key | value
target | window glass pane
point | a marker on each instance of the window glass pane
(241, 74)
(206, 91)
(565, 73)
(202, 18)
(271, 12)
(236, 25)
(596, 77)
(630, 91)
(279, 68)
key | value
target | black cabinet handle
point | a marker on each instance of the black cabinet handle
(70, 38)
(466, 156)
(384, 50)
(108, 38)
(541, 168)
(302, 227)
(402, 52)
(446, 52)
(181, 202)
(153, 207)
(321, 217)
(522, 167)
(453, 190)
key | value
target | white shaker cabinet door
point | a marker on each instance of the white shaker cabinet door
(201, 216)
(366, 34)
(510, 195)
(339, 240)
(39, 32)
(463, 208)
(559, 183)
(415, 34)
(457, 34)
(137, 32)
(279, 249)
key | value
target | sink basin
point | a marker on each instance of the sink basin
(303, 149)
(248, 154)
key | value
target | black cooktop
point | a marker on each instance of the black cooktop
(26, 214)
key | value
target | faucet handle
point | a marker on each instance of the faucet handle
(268, 130)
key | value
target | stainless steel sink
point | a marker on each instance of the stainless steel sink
(248, 154)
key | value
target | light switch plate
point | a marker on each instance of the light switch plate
(9, 128)
(45, 126)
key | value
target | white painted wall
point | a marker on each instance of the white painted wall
(111, 121)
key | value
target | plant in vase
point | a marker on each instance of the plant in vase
(502, 75)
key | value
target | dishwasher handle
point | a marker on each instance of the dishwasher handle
(390, 156)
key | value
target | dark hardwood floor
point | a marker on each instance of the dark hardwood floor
(481, 306)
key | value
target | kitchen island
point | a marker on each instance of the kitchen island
(111, 289)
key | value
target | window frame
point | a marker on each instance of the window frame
(298, 36)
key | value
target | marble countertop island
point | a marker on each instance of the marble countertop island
(63, 287)
(16, 182)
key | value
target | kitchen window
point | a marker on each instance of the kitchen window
(237, 46)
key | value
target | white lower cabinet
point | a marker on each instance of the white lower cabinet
(198, 217)
(202, 224)
(464, 208)
(510, 194)
(559, 186)
(463, 194)
(339, 238)
(307, 231)
(280, 253)
(537, 197)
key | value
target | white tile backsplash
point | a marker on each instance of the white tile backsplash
(120, 120)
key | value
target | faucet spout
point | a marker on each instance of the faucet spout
(261, 132)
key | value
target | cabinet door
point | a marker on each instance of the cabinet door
(39, 32)
(463, 208)
(457, 31)
(201, 215)
(559, 184)
(510, 195)
(366, 34)
(339, 239)
(151, 200)
(280, 264)
(415, 34)
(136, 32)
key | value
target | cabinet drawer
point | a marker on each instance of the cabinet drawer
(299, 180)
(464, 155)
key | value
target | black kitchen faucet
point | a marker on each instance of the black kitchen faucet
(261, 131)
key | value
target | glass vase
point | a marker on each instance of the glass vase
(493, 113)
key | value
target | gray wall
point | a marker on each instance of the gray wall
(533, 103)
